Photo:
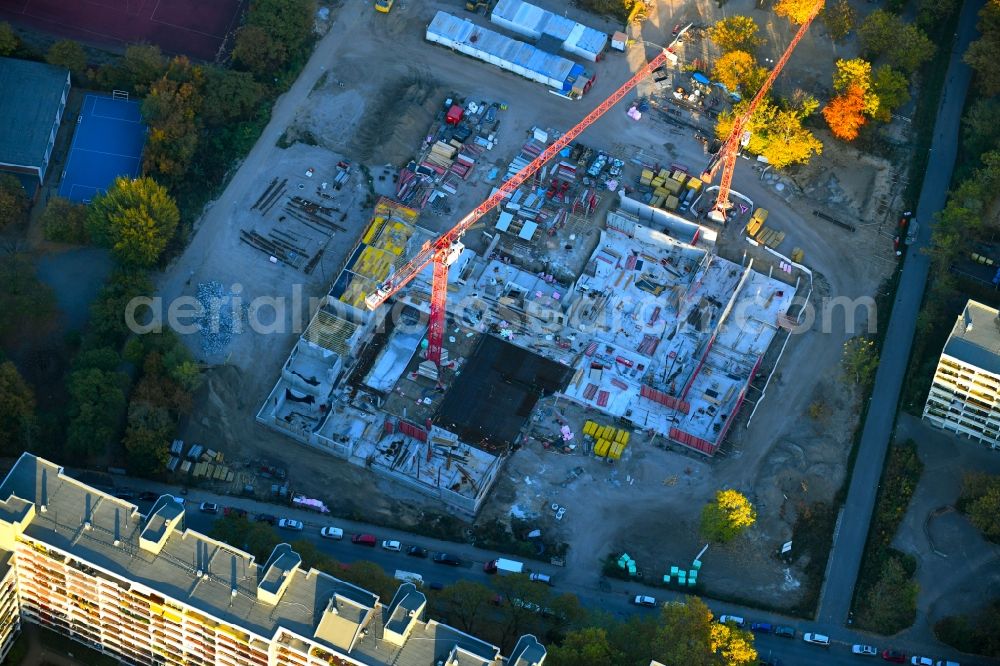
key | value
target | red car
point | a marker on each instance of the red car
(364, 540)
(894, 656)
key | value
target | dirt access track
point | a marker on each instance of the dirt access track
(649, 504)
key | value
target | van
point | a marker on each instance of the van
(364, 540)
(816, 639)
(948, 663)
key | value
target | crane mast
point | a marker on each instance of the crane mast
(446, 249)
(726, 155)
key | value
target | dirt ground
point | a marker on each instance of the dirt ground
(649, 503)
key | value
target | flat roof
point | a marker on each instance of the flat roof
(173, 573)
(975, 338)
(28, 109)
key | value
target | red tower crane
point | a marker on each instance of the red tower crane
(726, 155)
(446, 249)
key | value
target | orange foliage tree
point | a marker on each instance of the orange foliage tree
(845, 113)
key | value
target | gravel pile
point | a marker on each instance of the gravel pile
(221, 317)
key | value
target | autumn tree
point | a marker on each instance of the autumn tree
(856, 73)
(69, 54)
(64, 221)
(229, 96)
(839, 18)
(903, 44)
(980, 501)
(738, 70)
(736, 33)
(686, 634)
(171, 109)
(981, 55)
(13, 201)
(796, 11)
(141, 65)
(8, 39)
(17, 411)
(891, 603)
(727, 517)
(776, 132)
(845, 113)
(135, 218)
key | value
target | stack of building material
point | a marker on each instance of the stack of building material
(609, 441)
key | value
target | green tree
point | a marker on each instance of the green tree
(26, 304)
(860, 360)
(100, 358)
(589, 646)
(904, 45)
(64, 221)
(797, 11)
(738, 70)
(984, 513)
(736, 33)
(97, 404)
(68, 54)
(727, 517)
(147, 450)
(135, 218)
(287, 22)
(980, 129)
(8, 39)
(142, 65)
(107, 325)
(258, 539)
(892, 601)
(13, 201)
(467, 605)
(840, 19)
(892, 89)
(17, 411)
(258, 53)
(930, 12)
(229, 96)
(981, 54)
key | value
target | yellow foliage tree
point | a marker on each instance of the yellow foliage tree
(739, 70)
(796, 11)
(775, 133)
(857, 72)
(728, 516)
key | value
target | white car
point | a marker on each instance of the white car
(394, 546)
(642, 600)
(922, 661)
(816, 639)
(867, 650)
(732, 619)
(289, 524)
(541, 578)
(331, 532)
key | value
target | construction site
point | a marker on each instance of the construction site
(605, 328)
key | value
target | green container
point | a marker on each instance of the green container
(666, 579)
(696, 564)
(674, 571)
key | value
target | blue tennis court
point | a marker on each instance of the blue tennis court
(107, 144)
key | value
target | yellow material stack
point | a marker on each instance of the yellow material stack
(609, 442)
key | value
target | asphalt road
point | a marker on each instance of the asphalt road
(849, 540)
(610, 596)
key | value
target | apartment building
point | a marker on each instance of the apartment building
(148, 591)
(965, 394)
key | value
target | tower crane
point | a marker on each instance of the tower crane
(444, 251)
(739, 135)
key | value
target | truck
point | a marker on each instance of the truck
(409, 577)
(503, 566)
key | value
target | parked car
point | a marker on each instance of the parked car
(541, 578)
(784, 631)
(364, 540)
(816, 639)
(331, 532)
(894, 656)
(267, 518)
(148, 496)
(922, 661)
(445, 558)
(392, 545)
(761, 627)
(732, 619)
(416, 551)
(643, 600)
(208, 507)
(289, 524)
(867, 650)
(945, 662)
(437, 586)
(233, 511)
(125, 494)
